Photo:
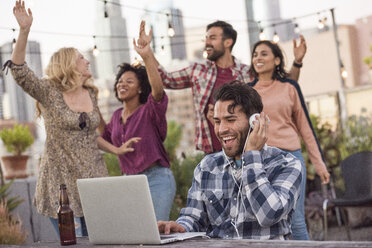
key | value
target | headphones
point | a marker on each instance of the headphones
(253, 118)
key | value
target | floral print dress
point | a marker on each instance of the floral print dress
(71, 151)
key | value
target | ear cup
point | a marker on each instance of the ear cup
(253, 118)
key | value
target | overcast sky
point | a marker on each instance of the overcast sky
(78, 17)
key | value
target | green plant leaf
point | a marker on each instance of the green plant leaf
(17, 139)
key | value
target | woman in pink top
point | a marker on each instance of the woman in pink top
(285, 105)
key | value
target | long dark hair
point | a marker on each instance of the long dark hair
(279, 71)
(141, 75)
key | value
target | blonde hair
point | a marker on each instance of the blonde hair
(62, 72)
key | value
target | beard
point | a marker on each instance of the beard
(239, 149)
(216, 54)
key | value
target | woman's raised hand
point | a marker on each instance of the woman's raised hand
(142, 46)
(24, 18)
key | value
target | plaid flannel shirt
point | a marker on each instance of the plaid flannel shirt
(270, 183)
(201, 77)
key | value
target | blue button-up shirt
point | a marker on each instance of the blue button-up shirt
(255, 201)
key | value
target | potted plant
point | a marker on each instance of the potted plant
(16, 141)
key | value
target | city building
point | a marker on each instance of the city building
(111, 39)
(261, 16)
(19, 107)
(16, 103)
(320, 77)
(168, 32)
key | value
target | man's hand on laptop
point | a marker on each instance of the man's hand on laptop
(168, 227)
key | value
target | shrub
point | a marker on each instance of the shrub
(357, 136)
(16, 139)
(11, 202)
(112, 163)
(11, 232)
(183, 174)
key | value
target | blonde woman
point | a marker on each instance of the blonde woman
(67, 100)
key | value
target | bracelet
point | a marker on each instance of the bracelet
(297, 64)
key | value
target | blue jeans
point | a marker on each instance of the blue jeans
(80, 226)
(298, 225)
(162, 188)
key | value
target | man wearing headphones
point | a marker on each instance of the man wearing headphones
(247, 190)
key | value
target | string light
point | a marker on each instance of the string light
(14, 43)
(320, 22)
(296, 28)
(95, 49)
(205, 54)
(162, 51)
(325, 21)
(171, 31)
(105, 9)
(136, 62)
(276, 37)
(14, 39)
(262, 34)
(344, 73)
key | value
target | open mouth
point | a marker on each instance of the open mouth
(229, 140)
(208, 49)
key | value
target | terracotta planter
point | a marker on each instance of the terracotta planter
(15, 166)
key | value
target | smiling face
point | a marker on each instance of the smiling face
(263, 60)
(231, 128)
(214, 43)
(128, 87)
(82, 66)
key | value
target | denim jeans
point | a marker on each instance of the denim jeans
(80, 226)
(298, 225)
(162, 188)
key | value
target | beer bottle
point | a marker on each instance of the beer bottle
(65, 218)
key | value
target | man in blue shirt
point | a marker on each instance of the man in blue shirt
(247, 190)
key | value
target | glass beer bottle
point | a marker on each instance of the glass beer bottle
(65, 218)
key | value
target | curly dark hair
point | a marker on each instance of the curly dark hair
(279, 71)
(241, 94)
(141, 75)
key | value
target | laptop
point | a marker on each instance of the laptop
(119, 210)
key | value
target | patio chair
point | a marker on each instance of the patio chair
(356, 171)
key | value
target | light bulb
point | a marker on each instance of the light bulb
(276, 38)
(162, 52)
(95, 51)
(297, 28)
(13, 43)
(262, 35)
(171, 32)
(343, 73)
(320, 24)
(205, 54)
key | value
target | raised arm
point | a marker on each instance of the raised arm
(24, 19)
(142, 47)
(299, 53)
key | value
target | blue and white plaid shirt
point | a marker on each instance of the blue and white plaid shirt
(269, 187)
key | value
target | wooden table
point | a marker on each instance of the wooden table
(220, 243)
